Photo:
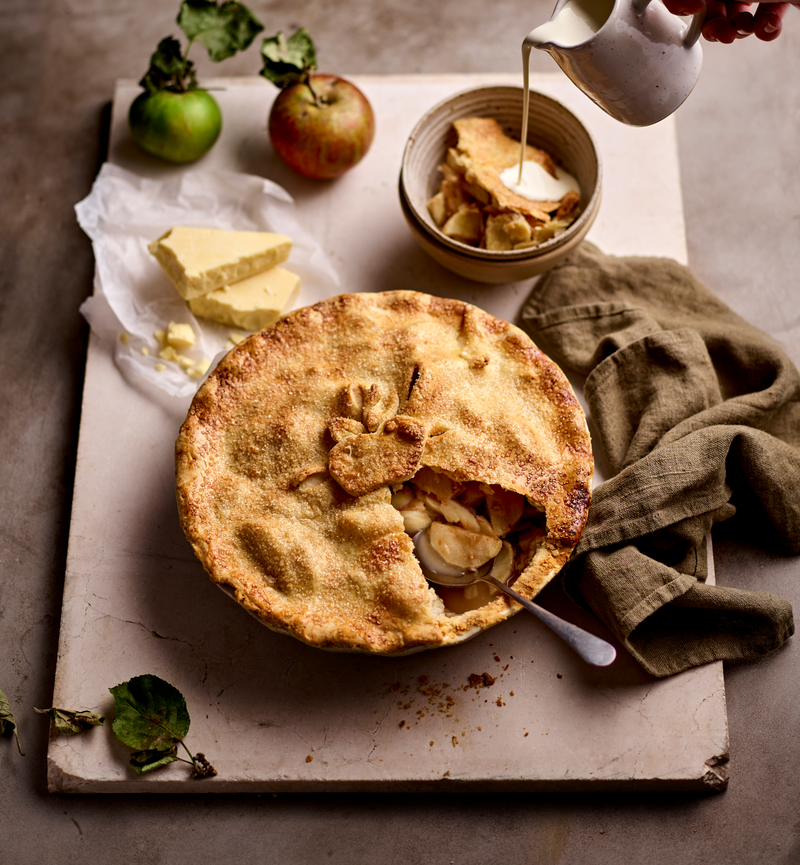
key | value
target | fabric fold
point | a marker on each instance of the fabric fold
(698, 415)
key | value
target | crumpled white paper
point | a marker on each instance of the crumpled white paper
(123, 213)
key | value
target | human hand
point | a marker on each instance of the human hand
(728, 21)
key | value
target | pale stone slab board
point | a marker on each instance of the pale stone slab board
(275, 715)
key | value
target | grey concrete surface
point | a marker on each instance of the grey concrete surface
(738, 137)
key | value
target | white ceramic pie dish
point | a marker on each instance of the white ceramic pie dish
(551, 127)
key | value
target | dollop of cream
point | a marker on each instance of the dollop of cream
(537, 184)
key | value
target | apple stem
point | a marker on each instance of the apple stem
(185, 62)
(313, 94)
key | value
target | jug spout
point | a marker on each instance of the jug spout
(572, 23)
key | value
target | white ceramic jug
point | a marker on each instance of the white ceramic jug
(635, 59)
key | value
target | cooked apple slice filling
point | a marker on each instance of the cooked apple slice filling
(471, 524)
(505, 510)
(463, 548)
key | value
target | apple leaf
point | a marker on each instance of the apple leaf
(69, 722)
(146, 761)
(8, 726)
(288, 61)
(169, 69)
(152, 718)
(223, 30)
(151, 714)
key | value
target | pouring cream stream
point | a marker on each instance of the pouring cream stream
(577, 21)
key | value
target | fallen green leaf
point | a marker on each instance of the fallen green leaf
(69, 722)
(151, 714)
(152, 718)
(146, 761)
(8, 726)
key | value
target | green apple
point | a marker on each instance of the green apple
(178, 127)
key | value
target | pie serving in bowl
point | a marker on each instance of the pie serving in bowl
(319, 446)
(556, 137)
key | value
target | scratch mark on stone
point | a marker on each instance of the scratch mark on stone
(375, 730)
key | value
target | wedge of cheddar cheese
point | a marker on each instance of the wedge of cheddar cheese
(202, 260)
(252, 303)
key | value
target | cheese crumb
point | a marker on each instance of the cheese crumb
(168, 353)
(200, 369)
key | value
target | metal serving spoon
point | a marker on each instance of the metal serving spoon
(591, 648)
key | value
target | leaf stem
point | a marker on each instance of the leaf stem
(191, 756)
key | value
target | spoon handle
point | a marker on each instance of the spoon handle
(591, 648)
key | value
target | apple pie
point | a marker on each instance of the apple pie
(320, 446)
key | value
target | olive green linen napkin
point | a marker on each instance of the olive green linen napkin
(698, 414)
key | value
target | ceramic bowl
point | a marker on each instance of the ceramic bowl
(551, 127)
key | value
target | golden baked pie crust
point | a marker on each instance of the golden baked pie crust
(285, 463)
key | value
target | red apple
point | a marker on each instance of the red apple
(321, 137)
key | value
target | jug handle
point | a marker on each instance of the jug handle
(692, 32)
(695, 28)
